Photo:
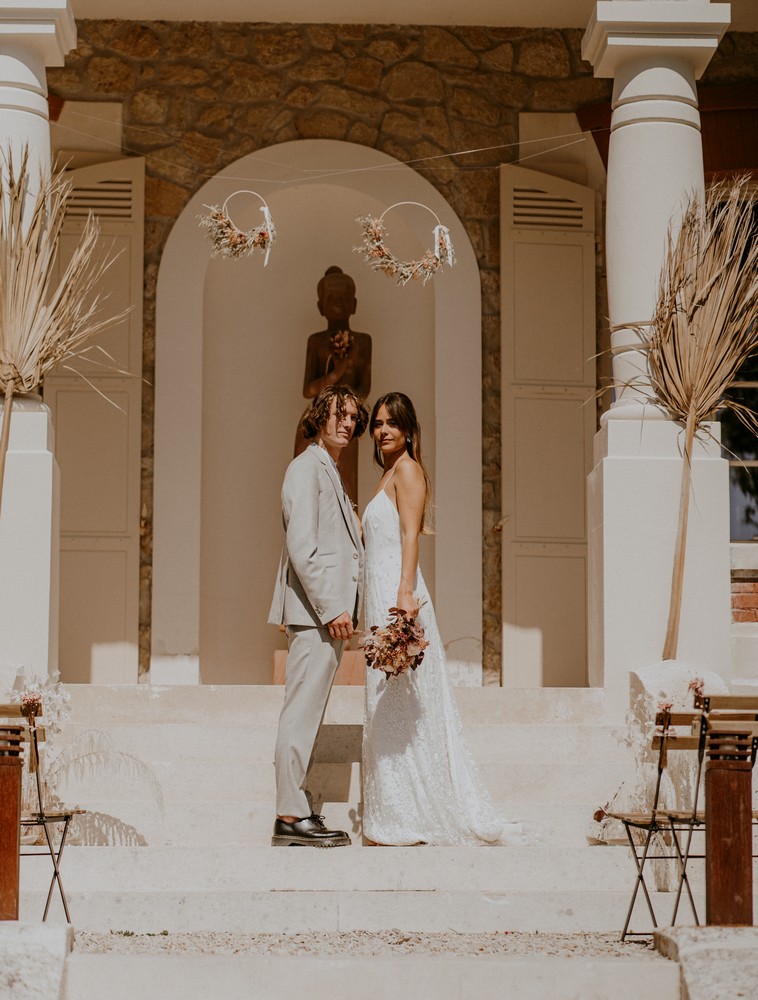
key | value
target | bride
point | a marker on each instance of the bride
(420, 781)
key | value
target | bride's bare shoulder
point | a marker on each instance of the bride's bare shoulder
(409, 475)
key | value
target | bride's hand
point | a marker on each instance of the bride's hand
(407, 602)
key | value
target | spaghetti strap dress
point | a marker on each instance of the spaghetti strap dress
(420, 782)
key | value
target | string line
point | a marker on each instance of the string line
(324, 173)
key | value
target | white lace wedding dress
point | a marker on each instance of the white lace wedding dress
(420, 783)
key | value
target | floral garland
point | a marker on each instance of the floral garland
(381, 258)
(228, 240)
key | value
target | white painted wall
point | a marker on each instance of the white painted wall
(256, 323)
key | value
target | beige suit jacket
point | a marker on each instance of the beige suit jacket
(321, 570)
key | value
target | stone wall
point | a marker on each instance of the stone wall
(197, 96)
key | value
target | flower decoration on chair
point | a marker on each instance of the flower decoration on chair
(230, 241)
(381, 258)
(397, 646)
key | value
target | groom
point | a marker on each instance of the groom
(317, 597)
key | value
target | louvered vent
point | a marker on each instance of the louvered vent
(107, 199)
(535, 209)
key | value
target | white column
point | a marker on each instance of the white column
(654, 50)
(32, 36)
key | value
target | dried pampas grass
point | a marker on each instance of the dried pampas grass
(704, 329)
(44, 322)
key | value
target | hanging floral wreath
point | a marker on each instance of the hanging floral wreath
(228, 240)
(381, 258)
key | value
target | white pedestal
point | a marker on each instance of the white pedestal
(633, 506)
(29, 543)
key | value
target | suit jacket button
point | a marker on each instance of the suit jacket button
(355, 555)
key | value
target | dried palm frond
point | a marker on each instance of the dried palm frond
(43, 322)
(704, 329)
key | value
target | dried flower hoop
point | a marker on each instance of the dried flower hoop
(228, 240)
(381, 257)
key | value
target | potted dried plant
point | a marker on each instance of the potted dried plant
(704, 329)
(45, 317)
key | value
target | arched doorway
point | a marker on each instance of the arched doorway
(230, 346)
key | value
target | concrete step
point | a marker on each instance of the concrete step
(531, 742)
(100, 704)
(184, 768)
(408, 977)
(137, 816)
(300, 912)
(194, 761)
(259, 869)
(259, 890)
(236, 823)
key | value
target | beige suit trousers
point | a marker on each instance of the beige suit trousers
(312, 662)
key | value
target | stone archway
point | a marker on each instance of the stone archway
(220, 446)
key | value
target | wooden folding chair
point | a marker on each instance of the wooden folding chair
(54, 821)
(673, 731)
(724, 716)
(736, 714)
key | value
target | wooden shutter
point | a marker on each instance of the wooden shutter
(97, 421)
(548, 423)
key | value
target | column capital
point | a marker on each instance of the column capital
(47, 27)
(621, 31)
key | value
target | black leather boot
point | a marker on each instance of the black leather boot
(308, 832)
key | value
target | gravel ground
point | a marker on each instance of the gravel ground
(394, 942)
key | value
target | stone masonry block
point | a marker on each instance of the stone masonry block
(440, 46)
(137, 40)
(364, 73)
(414, 81)
(278, 49)
(469, 105)
(500, 58)
(111, 76)
(544, 56)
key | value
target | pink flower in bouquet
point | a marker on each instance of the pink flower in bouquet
(395, 647)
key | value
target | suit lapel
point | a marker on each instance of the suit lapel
(339, 489)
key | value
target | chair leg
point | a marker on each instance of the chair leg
(55, 858)
(682, 861)
(640, 881)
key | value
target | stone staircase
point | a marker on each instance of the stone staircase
(180, 786)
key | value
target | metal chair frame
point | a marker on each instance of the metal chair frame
(48, 820)
(666, 822)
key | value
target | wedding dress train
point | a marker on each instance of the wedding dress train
(420, 783)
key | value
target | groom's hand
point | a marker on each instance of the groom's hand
(341, 627)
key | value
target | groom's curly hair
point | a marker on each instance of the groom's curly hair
(316, 416)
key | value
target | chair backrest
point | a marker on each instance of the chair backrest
(678, 730)
(31, 733)
(11, 739)
(732, 724)
(731, 703)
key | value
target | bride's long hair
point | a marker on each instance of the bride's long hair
(403, 413)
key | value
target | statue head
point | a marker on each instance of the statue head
(336, 296)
